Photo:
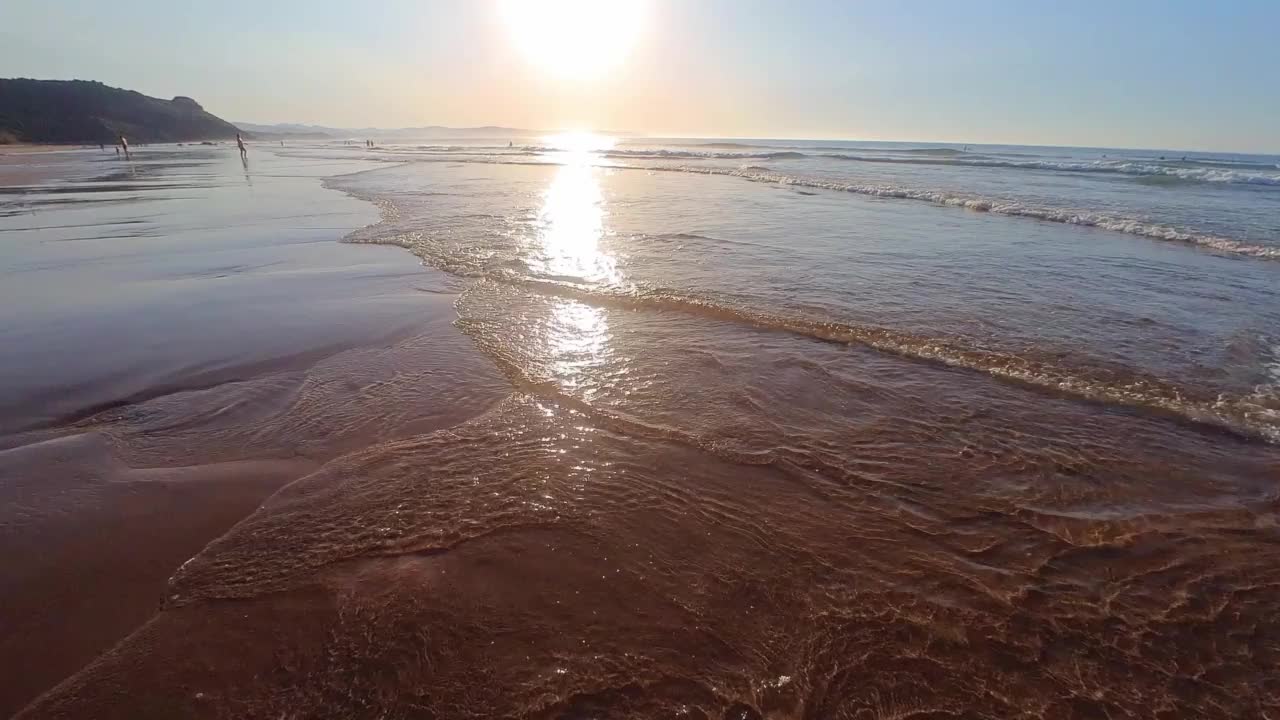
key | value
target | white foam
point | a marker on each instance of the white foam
(1120, 167)
(1130, 226)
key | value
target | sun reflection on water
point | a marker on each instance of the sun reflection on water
(579, 345)
(580, 142)
(570, 227)
(571, 222)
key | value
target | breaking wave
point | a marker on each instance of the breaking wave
(1084, 218)
(1256, 415)
(662, 154)
(1140, 227)
(1214, 172)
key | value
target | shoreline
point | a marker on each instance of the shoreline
(677, 513)
(102, 476)
(30, 148)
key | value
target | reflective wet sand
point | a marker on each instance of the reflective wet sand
(595, 497)
(141, 369)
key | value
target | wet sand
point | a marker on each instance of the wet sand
(584, 574)
(28, 148)
(597, 501)
(89, 545)
(189, 293)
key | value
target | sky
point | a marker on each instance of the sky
(1172, 74)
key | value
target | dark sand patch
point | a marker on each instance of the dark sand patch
(89, 545)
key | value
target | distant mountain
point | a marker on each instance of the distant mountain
(430, 131)
(438, 131)
(80, 111)
(290, 130)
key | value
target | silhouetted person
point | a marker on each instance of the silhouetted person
(244, 153)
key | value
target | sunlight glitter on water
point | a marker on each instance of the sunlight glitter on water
(569, 227)
(580, 142)
(579, 343)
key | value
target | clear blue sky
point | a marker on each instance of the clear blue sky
(1170, 74)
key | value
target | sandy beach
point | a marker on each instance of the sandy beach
(24, 148)
(245, 311)
(637, 359)
(577, 434)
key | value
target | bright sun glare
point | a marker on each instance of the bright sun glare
(575, 39)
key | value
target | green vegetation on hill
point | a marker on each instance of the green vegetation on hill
(80, 111)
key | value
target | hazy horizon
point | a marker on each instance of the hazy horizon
(625, 134)
(630, 134)
(1173, 76)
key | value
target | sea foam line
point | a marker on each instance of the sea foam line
(1189, 171)
(995, 206)
(1131, 168)
(1129, 226)
(1256, 415)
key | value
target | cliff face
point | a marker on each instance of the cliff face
(79, 111)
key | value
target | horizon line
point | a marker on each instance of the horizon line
(829, 138)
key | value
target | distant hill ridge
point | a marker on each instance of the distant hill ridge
(429, 131)
(83, 111)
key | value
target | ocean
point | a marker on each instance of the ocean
(731, 429)
(1116, 276)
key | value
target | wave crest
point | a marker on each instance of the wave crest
(1190, 171)
(1256, 415)
(1009, 208)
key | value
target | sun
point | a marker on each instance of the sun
(574, 39)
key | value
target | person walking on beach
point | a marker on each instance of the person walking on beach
(124, 145)
(244, 153)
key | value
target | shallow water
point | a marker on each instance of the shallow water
(181, 268)
(1096, 313)
(171, 358)
(771, 447)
